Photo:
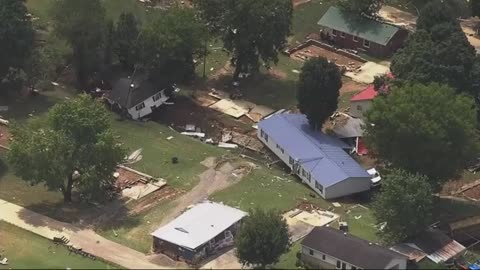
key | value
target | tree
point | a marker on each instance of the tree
(170, 42)
(109, 41)
(436, 13)
(16, 43)
(251, 30)
(405, 204)
(82, 24)
(73, 148)
(475, 7)
(126, 40)
(425, 129)
(262, 238)
(318, 90)
(367, 8)
(437, 52)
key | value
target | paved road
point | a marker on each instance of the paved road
(88, 240)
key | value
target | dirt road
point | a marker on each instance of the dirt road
(215, 178)
(86, 239)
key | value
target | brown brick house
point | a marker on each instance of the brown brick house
(356, 32)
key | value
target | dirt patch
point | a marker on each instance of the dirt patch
(160, 196)
(278, 74)
(473, 193)
(4, 136)
(352, 86)
(316, 51)
(297, 3)
(224, 174)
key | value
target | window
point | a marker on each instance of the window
(353, 268)
(140, 106)
(304, 173)
(355, 38)
(319, 187)
(266, 137)
(291, 161)
(283, 151)
(366, 43)
(156, 97)
(342, 34)
(338, 264)
(323, 257)
(359, 107)
(344, 266)
(334, 32)
(309, 176)
(310, 252)
(261, 133)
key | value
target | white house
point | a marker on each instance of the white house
(138, 97)
(328, 248)
(361, 102)
(321, 161)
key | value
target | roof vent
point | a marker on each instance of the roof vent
(345, 233)
(369, 243)
(132, 85)
(181, 229)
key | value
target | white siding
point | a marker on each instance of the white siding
(331, 262)
(285, 157)
(347, 187)
(358, 108)
(149, 103)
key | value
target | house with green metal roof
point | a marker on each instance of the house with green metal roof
(353, 31)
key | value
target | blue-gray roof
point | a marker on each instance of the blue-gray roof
(359, 26)
(322, 155)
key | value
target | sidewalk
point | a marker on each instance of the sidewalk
(88, 240)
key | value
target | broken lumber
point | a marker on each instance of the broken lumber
(4, 147)
(4, 122)
(139, 173)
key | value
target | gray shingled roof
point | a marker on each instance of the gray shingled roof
(349, 248)
(359, 26)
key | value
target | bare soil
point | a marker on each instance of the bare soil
(4, 136)
(315, 51)
(352, 86)
(150, 201)
(278, 74)
(186, 111)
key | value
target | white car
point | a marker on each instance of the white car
(376, 178)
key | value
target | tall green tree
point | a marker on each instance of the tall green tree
(170, 42)
(16, 43)
(318, 90)
(82, 24)
(405, 204)
(252, 31)
(437, 52)
(262, 238)
(425, 129)
(475, 7)
(73, 148)
(369, 8)
(126, 40)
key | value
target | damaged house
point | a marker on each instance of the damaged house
(137, 97)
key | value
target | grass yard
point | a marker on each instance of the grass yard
(138, 236)
(288, 260)
(305, 18)
(26, 250)
(158, 151)
(267, 189)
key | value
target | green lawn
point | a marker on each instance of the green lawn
(267, 189)
(29, 251)
(305, 18)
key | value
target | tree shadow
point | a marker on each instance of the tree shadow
(261, 89)
(77, 216)
(3, 166)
